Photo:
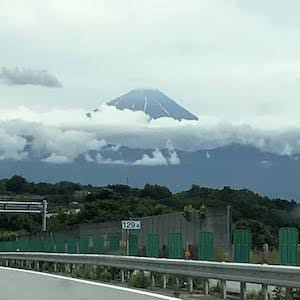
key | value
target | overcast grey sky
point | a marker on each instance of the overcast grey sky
(226, 58)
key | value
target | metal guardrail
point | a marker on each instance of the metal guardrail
(284, 276)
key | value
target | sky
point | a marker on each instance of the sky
(229, 59)
(233, 63)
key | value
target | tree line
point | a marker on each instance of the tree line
(264, 216)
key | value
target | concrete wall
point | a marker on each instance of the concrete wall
(216, 221)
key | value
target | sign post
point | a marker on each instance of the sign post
(128, 225)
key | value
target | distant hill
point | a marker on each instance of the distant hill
(154, 103)
(261, 215)
(236, 166)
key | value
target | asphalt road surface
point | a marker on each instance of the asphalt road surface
(28, 285)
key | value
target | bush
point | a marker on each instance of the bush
(103, 274)
(296, 294)
(139, 280)
(279, 293)
(254, 295)
(215, 290)
(176, 292)
(187, 212)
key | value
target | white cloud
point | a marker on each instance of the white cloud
(173, 158)
(56, 159)
(252, 69)
(70, 134)
(108, 161)
(12, 146)
(157, 159)
(19, 76)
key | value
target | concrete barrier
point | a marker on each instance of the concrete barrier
(18, 284)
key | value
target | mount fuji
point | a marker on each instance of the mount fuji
(235, 165)
(154, 103)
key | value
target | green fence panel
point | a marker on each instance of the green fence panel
(72, 245)
(242, 245)
(114, 245)
(12, 246)
(288, 246)
(24, 245)
(152, 249)
(2, 246)
(133, 244)
(18, 245)
(60, 245)
(98, 244)
(175, 245)
(51, 245)
(30, 245)
(9, 246)
(43, 245)
(206, 246)
(84, 245)
(48, 245)
(35, 245)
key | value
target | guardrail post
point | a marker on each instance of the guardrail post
(206, 287)
(165, 281)
(190, 285)
(224, 289)
(6, 263)
(243, 291)
(264, 292)
(289, 293)
(177, 282)
(122, 276)
(55, 267)
(66, 268)
(152, 280)
(37, 265)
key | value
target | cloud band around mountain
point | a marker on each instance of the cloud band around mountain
(63, 136)
(22, 76)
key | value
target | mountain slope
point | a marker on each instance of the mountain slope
(237, 166)
(154, 103)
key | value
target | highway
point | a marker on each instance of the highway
(28, 285)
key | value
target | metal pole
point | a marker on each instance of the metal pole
(224, 290)
(289, 293)
(190, 285)
(206, 287)
(152, 281)
(122, 276)
(127, 242)
(45, 215)
(228, 228)
(243, 291)
(264, 290)
(164, 281)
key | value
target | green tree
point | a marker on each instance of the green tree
(16, 184)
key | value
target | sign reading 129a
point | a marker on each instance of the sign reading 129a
(129, 224)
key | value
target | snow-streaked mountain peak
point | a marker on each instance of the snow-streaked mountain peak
(154, 103)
